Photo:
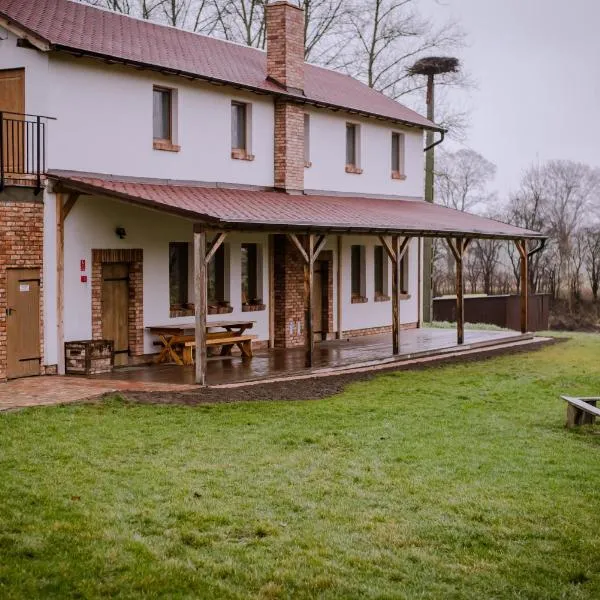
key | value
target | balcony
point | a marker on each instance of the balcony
(22, 150)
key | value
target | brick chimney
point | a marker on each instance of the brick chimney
(285, 44)
(285, 66)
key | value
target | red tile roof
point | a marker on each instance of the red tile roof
(71, 26)
(247, 209)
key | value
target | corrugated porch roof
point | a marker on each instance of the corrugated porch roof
(251, 209)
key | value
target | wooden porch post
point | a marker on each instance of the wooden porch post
(310, 255)
(200, 303)
(522, 248)
(64, 205)
(458, 247)
(396, 252)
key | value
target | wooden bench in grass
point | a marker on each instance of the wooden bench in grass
(581, 411)
(224, 339)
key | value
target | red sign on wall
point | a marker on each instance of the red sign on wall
(82, 265)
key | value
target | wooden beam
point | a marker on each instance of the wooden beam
(339, 286)
(68, 205)
(60, 282)
(387, 245)
(458, 247)
(319, 247)
(396, 288)
(294, 239)
(215, 245)
(308, 300)
(200, 303)
(524, 285)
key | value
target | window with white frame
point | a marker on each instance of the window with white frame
(178, 277)
(241, 115)
(163, 118)
(357, 273)
(398, 155)
(380, 274)
(252, 277)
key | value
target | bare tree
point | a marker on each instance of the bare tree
(592, 262)
(462, 179)
(487, 254)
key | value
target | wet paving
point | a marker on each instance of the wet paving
(331, 354)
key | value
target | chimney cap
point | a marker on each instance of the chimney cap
(284, 3)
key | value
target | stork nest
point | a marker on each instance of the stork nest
(435, 65)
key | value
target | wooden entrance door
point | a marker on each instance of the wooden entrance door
(23, 322)
(12, 105)
(115, 309)
(320, 299)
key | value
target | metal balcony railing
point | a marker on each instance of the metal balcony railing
(22, 149)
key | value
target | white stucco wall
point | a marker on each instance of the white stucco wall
(104, 125)
(36, 65)
(371, 313)
(328, 157)
(92, 223)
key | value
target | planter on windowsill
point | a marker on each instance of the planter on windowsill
(219, 309)
(353, 169)
(238, 154)
(165, 145)
(399, 176)
(359, 300)
(382, 298)
(253, 307)
(181, 310)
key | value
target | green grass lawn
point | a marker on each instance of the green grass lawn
(451, 482)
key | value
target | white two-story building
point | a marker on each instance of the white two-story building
(131, 150)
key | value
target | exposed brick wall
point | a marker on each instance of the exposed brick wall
(135, 259)
(285, 44)
(376, 330)
(21, 247)
(289, 294)
(289, 147)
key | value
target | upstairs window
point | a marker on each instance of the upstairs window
(357, 267)
(240, 131)
(163, 119)
(398, 156)
(162, 114)
(307, 162)
(353, 148)
(178, 275)
(381, 274)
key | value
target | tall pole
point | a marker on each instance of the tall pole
(429, 167)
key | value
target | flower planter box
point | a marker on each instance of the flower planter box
(89, 357)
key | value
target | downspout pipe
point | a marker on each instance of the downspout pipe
(432, 146)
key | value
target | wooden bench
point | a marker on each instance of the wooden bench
(581, 411)
(243, 342)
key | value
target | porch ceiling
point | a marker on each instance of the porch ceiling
(234, 208)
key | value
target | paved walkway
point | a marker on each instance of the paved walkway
(40, 391)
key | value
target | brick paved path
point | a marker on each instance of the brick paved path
(39, 391)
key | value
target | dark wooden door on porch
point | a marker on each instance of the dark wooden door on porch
(23, 323)
(12, 104)
(320, 278)
(115, 309)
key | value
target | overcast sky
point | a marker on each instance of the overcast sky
(537, 66)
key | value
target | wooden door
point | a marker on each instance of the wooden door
(115, 309)
(317, 303)
(12, 105)
(23, 322)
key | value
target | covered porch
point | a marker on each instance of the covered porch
(305, 224)
(417, 346)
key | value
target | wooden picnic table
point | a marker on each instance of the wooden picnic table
(182, 335)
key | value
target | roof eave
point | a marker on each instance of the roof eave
(298, 98)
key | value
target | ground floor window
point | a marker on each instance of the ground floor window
(358, 268)
(217, 283)
(404, 273)
(381, 274)
(252, 277)
(178, 275)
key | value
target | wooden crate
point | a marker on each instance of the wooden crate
(88, 357)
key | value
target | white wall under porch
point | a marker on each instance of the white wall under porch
(91, 225)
